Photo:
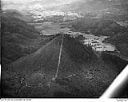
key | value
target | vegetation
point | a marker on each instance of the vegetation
(19, 39)
(81, 73)
(121, 42)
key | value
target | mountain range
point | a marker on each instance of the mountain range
(31, 61)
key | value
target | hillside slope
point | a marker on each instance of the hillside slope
(81, 73)
(17, 38)
(121, 43)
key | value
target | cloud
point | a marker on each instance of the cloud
(43, 1)
(21, 4)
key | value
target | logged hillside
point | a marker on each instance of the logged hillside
(81, 73)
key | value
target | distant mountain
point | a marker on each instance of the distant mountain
(97, 7)
(17, 36)
(101, 26)
(17, 14)
(100, 5)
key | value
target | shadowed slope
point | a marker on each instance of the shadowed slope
(18, 38)
(46, 58)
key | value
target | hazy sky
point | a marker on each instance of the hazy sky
(19, 4)
(48, 1)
